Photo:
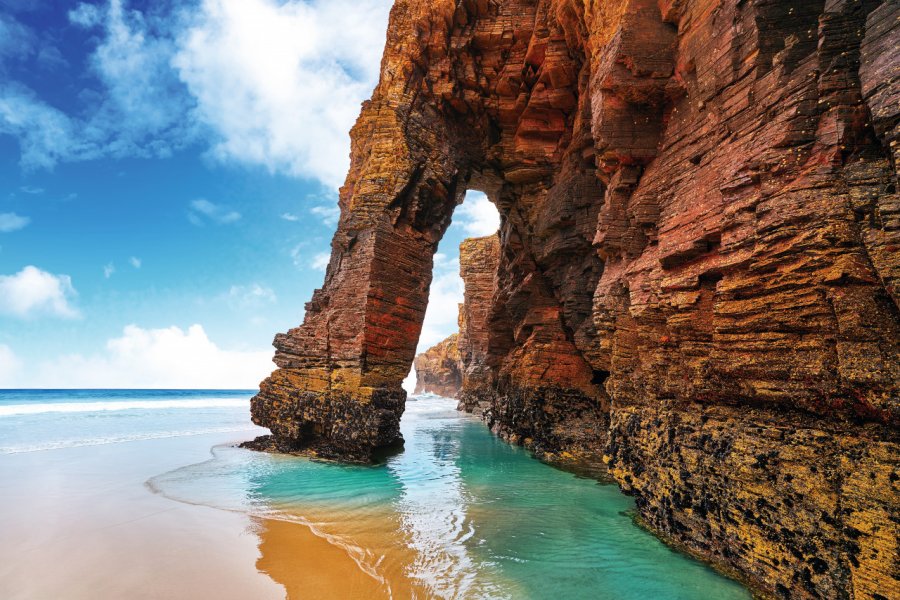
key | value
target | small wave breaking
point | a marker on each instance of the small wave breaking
(12, 410)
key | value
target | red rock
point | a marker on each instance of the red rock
(438, 369)
(719, 175)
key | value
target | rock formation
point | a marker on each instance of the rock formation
(438, 369)
(699, 243)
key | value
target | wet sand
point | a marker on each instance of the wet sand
(81, 523)
(310, 567)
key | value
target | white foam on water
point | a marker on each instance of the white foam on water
(12, 410)
(119, 439)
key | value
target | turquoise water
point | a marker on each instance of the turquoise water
(482, 519)
(458, 512)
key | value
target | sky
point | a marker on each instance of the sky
(168, 184)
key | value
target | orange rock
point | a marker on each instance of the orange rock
(718, 174)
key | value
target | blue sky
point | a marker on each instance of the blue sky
(168, 184)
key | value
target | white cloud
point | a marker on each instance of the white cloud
(16, 40)
(250, 296)
(443, 309)
(478, 215)
(329, 215)
(203, 211)
(135, 106)
(28, 189)
(320, 261)
(86, 15)
(157, 358)
(10, 222)
(10, 365)
(290, 217)
(135, 262)
(282, 82)
(444, 263)
(108, 270)
(33, 292)
(46, 135)
(272, 83)
(142, 90)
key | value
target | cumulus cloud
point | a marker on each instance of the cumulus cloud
(203, 211)
(329, 215)
(86, 15)
(281, 82)
(10, 365)
(10, 222)
(320, 261)
(290, 217)
(135, 262)
(250, 296)
(46, 135)
(32, 292)
(478, 215)
(158, 358)
(443, 308)
(108, 270)
(269, 83)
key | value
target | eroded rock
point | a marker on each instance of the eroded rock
(698, 245)
(438, 369)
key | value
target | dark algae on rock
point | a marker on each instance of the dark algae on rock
(695, 277)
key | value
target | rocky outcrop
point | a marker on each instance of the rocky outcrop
(478, 262)
(698, 246)
(521, 373)
(438, 369)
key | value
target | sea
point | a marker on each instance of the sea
(457, 511)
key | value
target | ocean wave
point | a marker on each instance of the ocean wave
(78, 443)
(11, 410)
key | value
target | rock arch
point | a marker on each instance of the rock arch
(440, 122)
(699, 233)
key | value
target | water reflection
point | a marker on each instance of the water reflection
(456, 514)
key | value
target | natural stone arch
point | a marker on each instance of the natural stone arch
(699, 210)
(432, 130)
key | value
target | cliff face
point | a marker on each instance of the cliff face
(699, 247)
(478, 262)
(438, 369)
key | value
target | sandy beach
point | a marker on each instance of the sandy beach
(80, 523)
(457, 514)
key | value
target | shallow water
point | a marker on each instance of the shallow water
(39, 420)
(457, 514)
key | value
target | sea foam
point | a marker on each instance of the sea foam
(12, 410)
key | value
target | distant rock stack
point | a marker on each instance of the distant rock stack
(438, 369)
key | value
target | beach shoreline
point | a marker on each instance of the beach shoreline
(80, 523)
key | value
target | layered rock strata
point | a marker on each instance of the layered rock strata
(530, 386)
(699, 243)
(438, 369)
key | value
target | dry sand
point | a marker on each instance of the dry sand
(80, 523)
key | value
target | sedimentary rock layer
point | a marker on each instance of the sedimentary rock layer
(438, 369)
(699, 243)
